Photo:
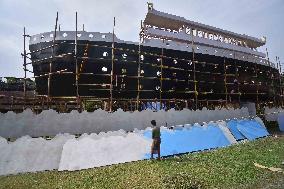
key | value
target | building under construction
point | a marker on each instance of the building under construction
(176, 63)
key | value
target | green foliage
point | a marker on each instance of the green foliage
(231, 167)
(89, 106)
(11, 80)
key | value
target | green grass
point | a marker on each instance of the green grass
(230, 167)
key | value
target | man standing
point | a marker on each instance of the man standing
(156, 136)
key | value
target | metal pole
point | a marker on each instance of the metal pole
(112, 67)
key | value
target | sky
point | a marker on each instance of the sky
(254, 17)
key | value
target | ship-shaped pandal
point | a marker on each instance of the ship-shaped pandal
(176, 61)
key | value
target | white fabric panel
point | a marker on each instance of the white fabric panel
(50, 123)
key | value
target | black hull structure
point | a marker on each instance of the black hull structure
(151, 71)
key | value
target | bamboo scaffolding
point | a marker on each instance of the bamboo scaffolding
(51, 73)
(142, 53)
(45, 48)
(83, 61)
(162, 67)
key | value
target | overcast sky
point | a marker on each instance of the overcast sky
(252, 17)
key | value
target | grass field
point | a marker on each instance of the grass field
(231, 167)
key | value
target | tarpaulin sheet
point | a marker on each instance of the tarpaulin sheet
(281, 121)
(191, 139)
(232, 125)
(251, 129)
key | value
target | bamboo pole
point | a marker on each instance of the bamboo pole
(194, 71)
(112, 67)
(270, 70)
(139, 67)
(257, 86)
(76, 56)
(50, 63)
(225, 80)
(237, 78)
(25, 64)
(161, 76)
(281, 87)
(280, 82)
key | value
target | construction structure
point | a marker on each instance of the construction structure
(177, 63)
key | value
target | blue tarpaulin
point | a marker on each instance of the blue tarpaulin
(281, 121)
(191, 139)
(246, 129)
(197, 138)
(251, 129)
(232, 125)
(154, 106)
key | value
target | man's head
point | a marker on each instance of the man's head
(153, 122)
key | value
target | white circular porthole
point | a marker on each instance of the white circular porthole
(104, 69)
(105, 54)
(124, 56)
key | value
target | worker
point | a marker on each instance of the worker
(156, 136)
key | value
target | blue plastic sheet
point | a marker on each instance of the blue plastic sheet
(251, 129)
(281, 121)
(189, 140)
(232, 125)
(154, 106)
